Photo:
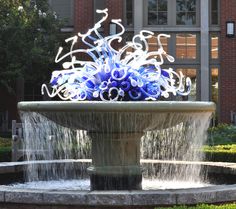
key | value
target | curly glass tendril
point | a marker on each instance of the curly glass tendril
(130, 73)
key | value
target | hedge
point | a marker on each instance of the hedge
(5, 154)
(5, 149)
(204, 206)
(222, 134)
(5, 142)
(220, 153)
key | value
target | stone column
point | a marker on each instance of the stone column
(138, 16)
(204, 50)
(115, 161)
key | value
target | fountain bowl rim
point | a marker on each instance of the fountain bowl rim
(117, 106)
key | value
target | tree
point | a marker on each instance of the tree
(29, 39)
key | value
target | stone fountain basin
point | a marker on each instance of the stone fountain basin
(121, 116)
(36, 198)
(115, 129)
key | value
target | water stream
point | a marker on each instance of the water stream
(175, 137)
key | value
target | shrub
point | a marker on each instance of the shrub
(5, 142)
(5, 149)
(204, 206)
(220, 153)
(221, 143)
(29, 37)
(5, 154)
(222, 134)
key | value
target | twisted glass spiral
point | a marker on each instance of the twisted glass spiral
(130, 73)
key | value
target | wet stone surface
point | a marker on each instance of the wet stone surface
(64, 199)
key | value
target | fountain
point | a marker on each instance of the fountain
(114, 119)
(115, 129)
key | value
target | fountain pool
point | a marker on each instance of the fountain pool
(39, 196)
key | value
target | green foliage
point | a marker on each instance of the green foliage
(5, 149)
(203, 206)
(5, 154)
(221, 143)
(220, 153)
(222, 134)
(229, 148)
(29, 37)
(5, 142)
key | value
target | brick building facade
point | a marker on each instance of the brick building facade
(216, 62)
(227, 62)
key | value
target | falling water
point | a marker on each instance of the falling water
(45, 140)
(176, 147)
(170, 138)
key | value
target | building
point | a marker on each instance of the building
(199, 41)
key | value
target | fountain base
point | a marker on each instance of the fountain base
(64, 198)
(124, 182)
(116, 161)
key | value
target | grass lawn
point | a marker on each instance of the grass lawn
(203, 206)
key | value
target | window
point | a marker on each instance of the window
(153, 44)
(214, 46)
(185, 12)
(214, 88)
(157, 12)
(192, 74)
(214, 84)
(214, 12)
(172, 13)
(129, 12)
(64, 10)
(186, 46)
(127, 37)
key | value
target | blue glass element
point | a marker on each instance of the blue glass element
(130, 73)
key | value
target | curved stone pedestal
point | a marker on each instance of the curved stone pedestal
(115, 161)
